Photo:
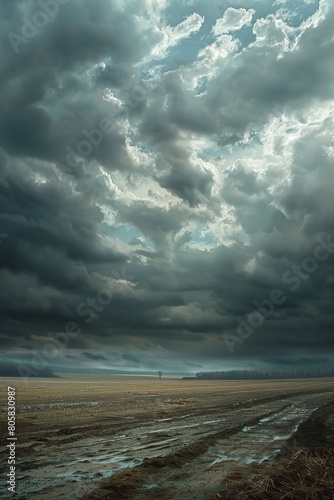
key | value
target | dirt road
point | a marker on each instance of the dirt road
(177, 439)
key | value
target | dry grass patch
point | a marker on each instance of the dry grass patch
(121, 486)
(306, 475)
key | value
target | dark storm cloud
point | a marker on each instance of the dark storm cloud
(94, 357)
(158, 178)
(130, 358)
(51, 68)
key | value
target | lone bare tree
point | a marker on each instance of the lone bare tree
(160, 375)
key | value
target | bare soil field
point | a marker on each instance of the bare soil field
(169, 439)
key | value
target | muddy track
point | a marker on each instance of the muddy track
(183, 449)
(315, 432)
(222, 454)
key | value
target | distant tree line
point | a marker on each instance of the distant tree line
(266, 374)
(10, 369)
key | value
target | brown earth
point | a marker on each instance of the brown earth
(170, 439)
(303, 470)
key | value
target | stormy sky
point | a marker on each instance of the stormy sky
(166, 183)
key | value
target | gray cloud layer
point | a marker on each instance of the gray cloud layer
(163, 166)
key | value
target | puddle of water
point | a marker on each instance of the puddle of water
(268, 458)
(295, 429)
(268, 419)
(282, 438)
(222, 458)
(109, 459)
(174, 418)
(155, 444)
(84, 469)
(168, 429)
(261, 442)
(188, 426)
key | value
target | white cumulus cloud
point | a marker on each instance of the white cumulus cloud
(232, 20)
